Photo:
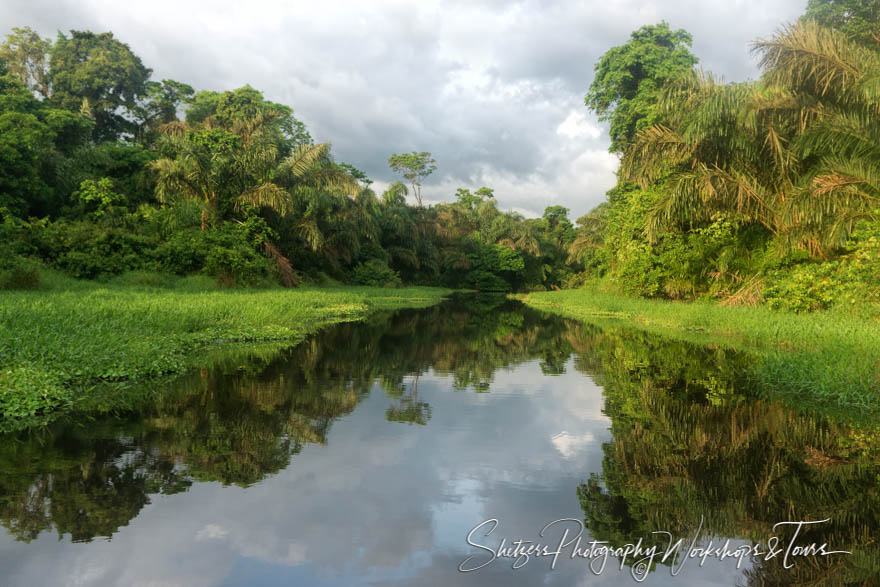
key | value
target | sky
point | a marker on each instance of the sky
(493, 89)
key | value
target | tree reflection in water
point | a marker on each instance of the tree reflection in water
(687, 447)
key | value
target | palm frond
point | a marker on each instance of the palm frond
(288, 277)
(267, 195)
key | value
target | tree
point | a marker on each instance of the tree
(557, 225)
(415, 167)
(33, 138)
(589, 236)
(225, 109)
(833, 79)
(395, 195)
(711, 158)
(858, 18)
(26, 57)
(796, 154)
(227, 171)
(356, 173)
(161, 105)
(24, 140)
(223, 171)
(629, 79)
(101, 75)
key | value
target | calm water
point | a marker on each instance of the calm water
(366, 456)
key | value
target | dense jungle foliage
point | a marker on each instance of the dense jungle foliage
(104, 171)
(750, 191)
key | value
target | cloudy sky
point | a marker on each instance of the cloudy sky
(493, 89)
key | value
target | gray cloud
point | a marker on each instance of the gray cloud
(493, 89)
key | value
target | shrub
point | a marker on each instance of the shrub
(237, 267)
(850, 280)
(375, 273)
(233, 255)
(88, 250)
(184, 252)
(97, 198)
(486, 281)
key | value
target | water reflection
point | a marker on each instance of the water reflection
(350, 459)
(687, 449)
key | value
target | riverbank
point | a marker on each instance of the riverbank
(823, 359)
(60, 343)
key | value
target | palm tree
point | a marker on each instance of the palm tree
(721, 152)
(219, 169)
(229, 170)
(589, 236)
(840, 140)
(797, 153)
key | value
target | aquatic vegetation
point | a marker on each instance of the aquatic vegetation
(54, 345)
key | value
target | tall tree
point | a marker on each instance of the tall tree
(27, 57)
(797, 154)
(629, 79)
(225, 109)
(33, 140)
(24, 143)
(834, 79)
(96, 73)
(414, 167)
(228, 170)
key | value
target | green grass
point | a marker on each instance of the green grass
(824, 360)
(57, 343)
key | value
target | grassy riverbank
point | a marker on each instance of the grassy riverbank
(58, 343)
(825, 359)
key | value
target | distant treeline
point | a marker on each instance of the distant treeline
(104, 170)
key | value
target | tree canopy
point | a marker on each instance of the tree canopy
(414, 167)
(98, 75)
(629, 79)
(857, 18)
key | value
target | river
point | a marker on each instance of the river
(404, 449)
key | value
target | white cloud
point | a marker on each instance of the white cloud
(569, 445)
(576, 125)
(212, 532)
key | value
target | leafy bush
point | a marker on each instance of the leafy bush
(184, 252)
(638, 272)
(232, 256)
(485, 281)
(803, 288)
(375, 273)
(495, 268)
(237, 267)
(97, 198)
(844, 282)
(88, 250)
